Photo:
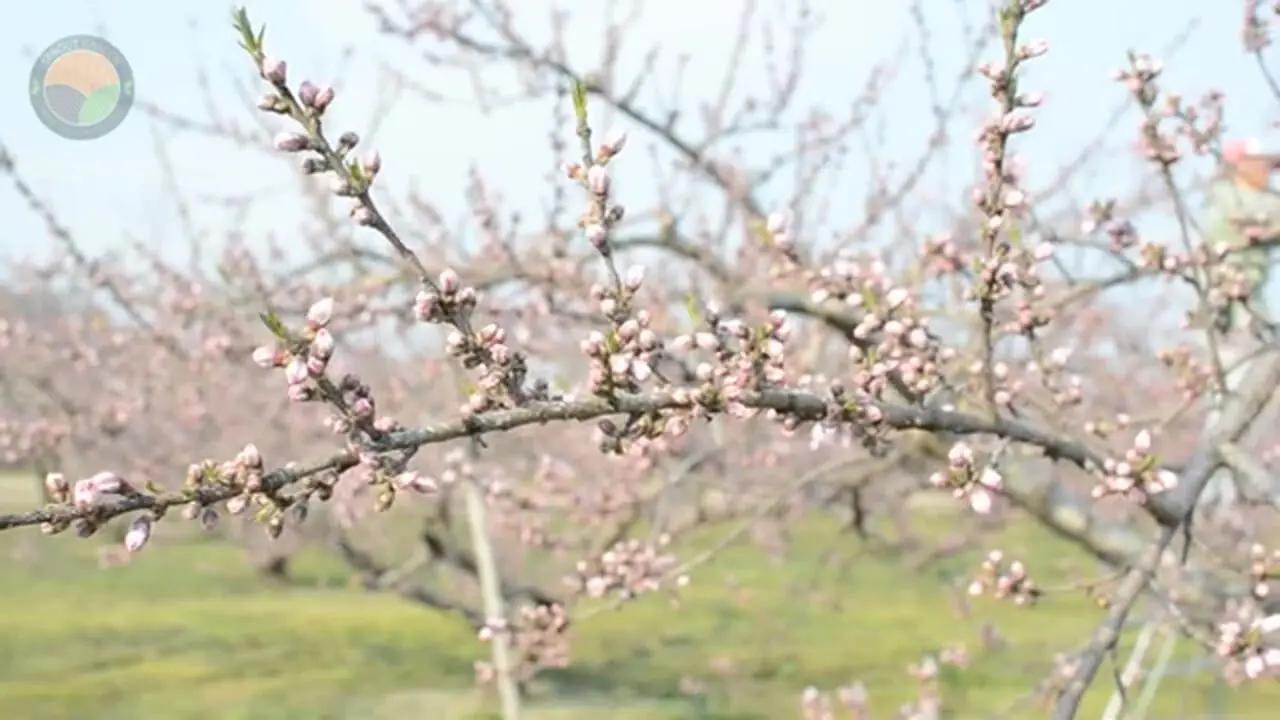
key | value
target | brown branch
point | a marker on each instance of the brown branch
(1107, 634)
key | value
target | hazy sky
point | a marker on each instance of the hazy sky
(111, 189)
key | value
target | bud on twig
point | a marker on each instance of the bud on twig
(291, 142)
(274, 70)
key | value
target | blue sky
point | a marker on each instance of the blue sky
(111, 190)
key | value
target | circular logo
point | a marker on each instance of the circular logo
(81, 87)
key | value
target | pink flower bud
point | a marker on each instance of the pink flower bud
(895, 297)
(56, 485)
(635, 277)
(85, 494)
(449, 281)
(960, 455)
(323, 344)
(319, 314)
(598, 180)
(316, 366)
(296, 373)
(291, 142)
(424, 305)
(980, 500)
(138, 534)
(323, 97)
(268, 101)
(274, 70)
(108, 482)
(362, 407)
(266, 356)
(1142, 442)
(372, 163)
(250, 457)
(596, 234)
(307, 93)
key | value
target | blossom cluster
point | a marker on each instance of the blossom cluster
(1137, 475)
(975, 482)
(1004, 578)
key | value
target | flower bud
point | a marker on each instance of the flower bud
(617, 140)
(363, 216)
(596, 234)
(319, 314)
(1143, 441)
(138, 534)
(323, 97)
(266, 356)
(635, 277)
(57, 487)
(268, 102)
(372, 163)
(250, 457)
(291, 142)
(316, 366)
(274, 70)
(307, 93)
(424, 305)
(362, 407)
(295, 373)
(449, 281)
(85, 494)
(323, 344)
(598, 180)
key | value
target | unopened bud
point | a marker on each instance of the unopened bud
(307, 93)
(598, 180)
(449, 281)
(319, 314)
(596, 234)
(323, 98)
(291, 142)
(274, 70)
(138, 534)
(323, 344)
(295, 373)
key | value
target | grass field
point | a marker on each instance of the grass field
(189, 631)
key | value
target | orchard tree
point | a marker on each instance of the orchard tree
(587, 391)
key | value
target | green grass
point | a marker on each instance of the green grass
(189, 631)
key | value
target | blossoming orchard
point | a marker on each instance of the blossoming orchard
(554, 406)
